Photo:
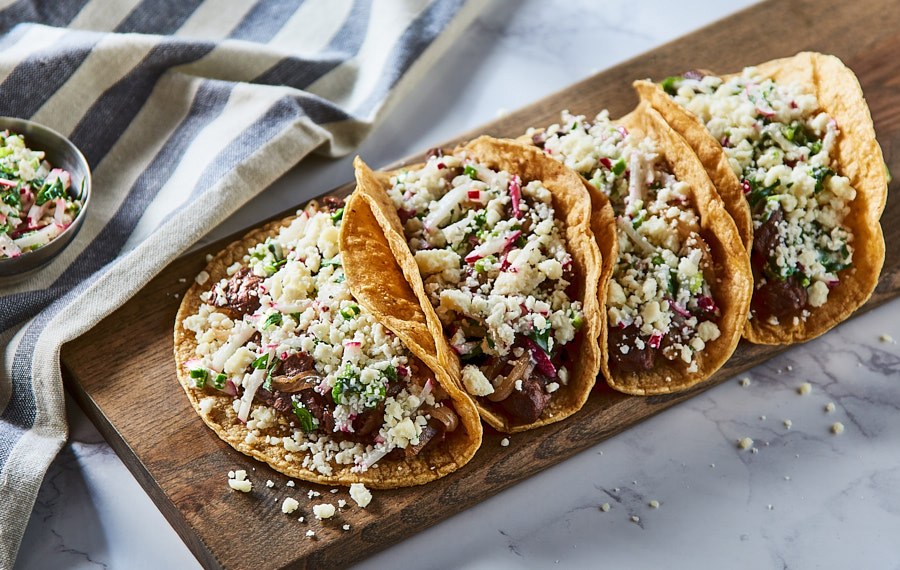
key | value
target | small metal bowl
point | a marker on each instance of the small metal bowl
(60, 153)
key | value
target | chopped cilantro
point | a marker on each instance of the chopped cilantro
(820, 174)
(261, 362)
(307, 422)
(273, 319)
(619, 167)
(670, 84)
(542, 339)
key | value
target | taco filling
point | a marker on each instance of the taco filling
(306, 366)
(660, 303)
(783, 149)
(495, 267)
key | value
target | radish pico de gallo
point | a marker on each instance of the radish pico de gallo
(36, 200)
(495, 266)
(659, 300)
(306, 366)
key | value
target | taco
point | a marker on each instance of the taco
(287, 365)
(680, 285)
(795, 139)
(495, 239)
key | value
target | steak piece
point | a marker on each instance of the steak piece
(317, 405)
(429, 432)
(527, 405)
(779, 298)
(278, 400)
(240, 293)
(766, 239)
(370, 420)
(297, 363)
(636, 360)
(332, 204)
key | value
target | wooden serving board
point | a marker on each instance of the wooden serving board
(122, 372)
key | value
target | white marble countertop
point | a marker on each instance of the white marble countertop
(806, 499)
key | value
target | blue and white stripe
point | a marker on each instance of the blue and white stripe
(185, 110)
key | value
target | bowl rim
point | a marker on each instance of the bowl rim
(86, 194)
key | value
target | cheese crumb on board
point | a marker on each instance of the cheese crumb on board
(270, 484)
(804, 389)
(323, 511)
(837, 428)
(289, 505)
(745, 443)
(242, 485)
(504, 442)
(342, 503)
(310, 533)
(360, 494)
(346, 527)
(290, 483)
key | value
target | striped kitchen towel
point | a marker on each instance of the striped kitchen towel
(185, 109)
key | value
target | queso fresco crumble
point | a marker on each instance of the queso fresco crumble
(659, 300)
(308, 368)
(495, 266)
(782, 147)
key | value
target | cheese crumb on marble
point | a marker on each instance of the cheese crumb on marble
(745, 443)
(635, 519)
(829, 407)
(323, 511)
(654, 504)
(771, 507)
(504, 442)
(886, 338)
(744, 382)
(360, 494)
(804, 389)
(837, 428)
(289, 505)
(605, 507)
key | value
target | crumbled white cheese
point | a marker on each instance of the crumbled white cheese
(552, 387)
(745, 443)
(476, 382)
(837, 428)
(346, 527)
(360, 494)
(323, 511)
(310, 533)
(654, 504)
(209, 257)
(770, 507)
(231, 474)
(202, 277)
(342, 503)
(289, 505)
(635, 519)
(744, 382)
(242, 485)
(504, 442)
(290, 483)
(605, 507)
(788, 424)
(829, 407)
(886, 338)
(240, 474)
(206, 405)
(762, 418)
(804, 389)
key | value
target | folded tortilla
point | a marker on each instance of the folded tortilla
(858, 157)
(217, 409)
(729, 277)
(572, 206)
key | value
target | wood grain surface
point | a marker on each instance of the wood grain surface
(122, 372)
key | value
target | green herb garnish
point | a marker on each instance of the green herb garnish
(273, 319)
(307, 422)
(200, 375)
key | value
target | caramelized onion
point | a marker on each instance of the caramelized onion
(504, 386)
(297, 383)
(446, 416)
